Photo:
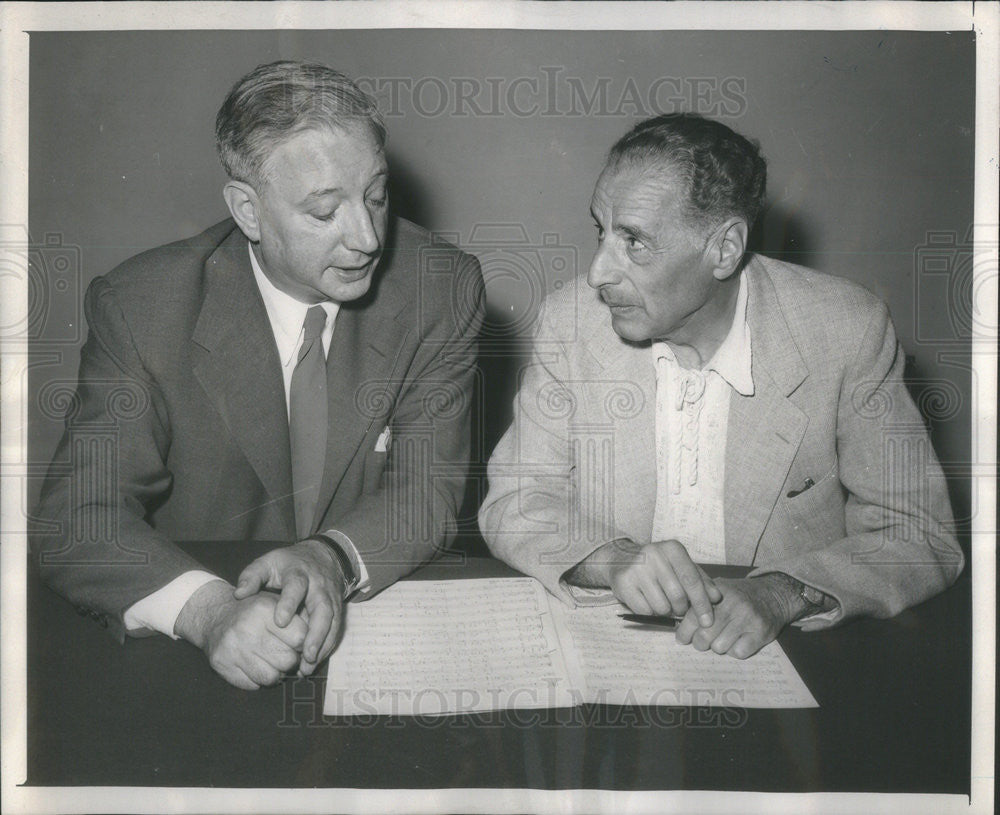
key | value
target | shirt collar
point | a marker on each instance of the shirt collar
(733, 359)
(286, 314)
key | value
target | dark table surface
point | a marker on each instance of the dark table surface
(894, 716)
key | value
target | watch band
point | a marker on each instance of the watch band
(351, 578)
(812, 599)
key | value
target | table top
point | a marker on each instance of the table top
(894, 716)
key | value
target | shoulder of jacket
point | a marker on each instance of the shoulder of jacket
(168, 268)
(831, 299)
(426, 268)
(573, 310)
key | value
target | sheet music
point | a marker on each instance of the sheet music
(440, 646)
(449, 646)
(628, 664)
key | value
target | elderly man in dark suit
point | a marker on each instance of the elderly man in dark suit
(294, 374)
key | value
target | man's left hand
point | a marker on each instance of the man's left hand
(752, 613)
(307, 574)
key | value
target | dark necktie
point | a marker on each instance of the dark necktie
(307, 421)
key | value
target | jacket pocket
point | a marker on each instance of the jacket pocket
(375, 461)
(816, 514)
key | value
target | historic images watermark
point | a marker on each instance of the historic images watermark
(529, 706)
(552, 92)
(956, 276)
(51, 271)
(50, 323)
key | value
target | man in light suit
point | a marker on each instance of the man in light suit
(736, 410)
(292, 374)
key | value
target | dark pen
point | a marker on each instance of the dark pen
(667, 623)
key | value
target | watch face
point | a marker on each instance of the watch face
(812, 596)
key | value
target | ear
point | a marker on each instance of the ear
(244, 204)
(727, 247)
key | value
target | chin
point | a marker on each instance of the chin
(342, 292)
(629, 329)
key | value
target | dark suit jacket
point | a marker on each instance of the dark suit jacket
(179, 428)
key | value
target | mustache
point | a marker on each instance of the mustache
(611, 300)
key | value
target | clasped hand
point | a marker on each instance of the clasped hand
(252, 637)
(752, 613)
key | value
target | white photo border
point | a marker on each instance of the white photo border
(18, 19)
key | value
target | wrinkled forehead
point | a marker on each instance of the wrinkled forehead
(647, 188)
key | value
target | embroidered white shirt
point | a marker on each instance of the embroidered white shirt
(692, 419)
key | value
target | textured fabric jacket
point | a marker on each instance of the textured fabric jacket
(576, 468)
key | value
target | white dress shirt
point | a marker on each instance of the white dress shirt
(692, 421)
(159, 610)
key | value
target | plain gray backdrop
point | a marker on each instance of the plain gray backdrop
(496, 138)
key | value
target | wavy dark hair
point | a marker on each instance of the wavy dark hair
(724, 173)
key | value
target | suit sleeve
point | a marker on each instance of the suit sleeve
(900, 547)
(532, 517)
(411, 516)
(91, 541)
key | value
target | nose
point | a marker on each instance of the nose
(361, 234)
(601, 268)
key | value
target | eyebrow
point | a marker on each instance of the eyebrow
(635, 232)
(632, 231)
(319, 194)
(333, 190)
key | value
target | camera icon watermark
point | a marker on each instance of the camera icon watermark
(955, 280)
(51, 271)
(517, 271)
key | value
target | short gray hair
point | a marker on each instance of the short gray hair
(275, 101)
(724, 173)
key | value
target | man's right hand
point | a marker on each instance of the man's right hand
(239, 637)
(653, 578)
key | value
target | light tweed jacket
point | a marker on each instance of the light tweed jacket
(576, 468)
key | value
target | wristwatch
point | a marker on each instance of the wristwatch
(351, 578)
(812, 599)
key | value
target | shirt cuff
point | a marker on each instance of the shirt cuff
(820, 616)
(158, 611)
(364, 583)
(586, 596)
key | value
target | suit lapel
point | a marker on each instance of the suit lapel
(635, 443)
(638, 443)
(765, 429)
(237, 365)
(366, 344)
(763, 436)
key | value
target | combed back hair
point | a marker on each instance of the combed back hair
(724, 173)
(274, 102)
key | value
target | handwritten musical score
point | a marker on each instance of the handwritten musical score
(429, 647)
(625, 663)
(450, 646)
